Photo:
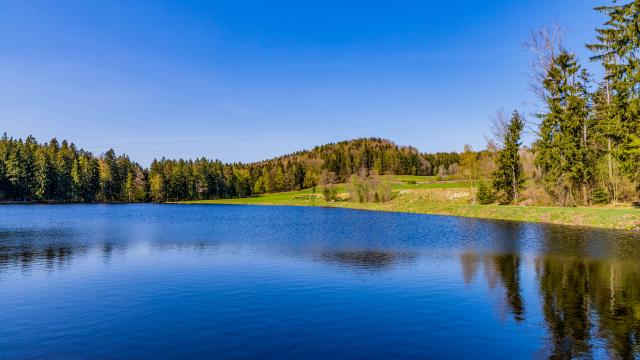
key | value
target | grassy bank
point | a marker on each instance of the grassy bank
(427, 196)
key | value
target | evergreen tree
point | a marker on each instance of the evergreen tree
(45, 176)
(562, 151)
(278, 180)
(508, 177)
(4, 184)
(86, 177)
(16, 173)
(109, 188)
(63, 165)
(617, 47)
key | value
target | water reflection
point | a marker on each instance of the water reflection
(585, 302)
(589, 300)
(23, 254)
(367, 259)
(579, 287)
(501, 268)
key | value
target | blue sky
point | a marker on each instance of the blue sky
(247, 80)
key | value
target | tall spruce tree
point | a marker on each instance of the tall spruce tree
(508, 177)
(44, 176)
(562, 151)
(617, 47)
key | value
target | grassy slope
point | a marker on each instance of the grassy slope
(451, 198)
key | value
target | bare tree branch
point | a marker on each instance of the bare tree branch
(497, 128)
(545, 44)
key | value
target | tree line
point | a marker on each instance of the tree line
(587, 146)
(60, 172)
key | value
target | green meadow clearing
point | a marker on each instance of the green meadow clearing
(426, 195)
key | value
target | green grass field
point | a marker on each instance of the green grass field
(415, 178)
(452, 198)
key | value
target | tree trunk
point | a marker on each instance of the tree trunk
(610, 167)
(573, 200)
(609, 156)
(515, 185)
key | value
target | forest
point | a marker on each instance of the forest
(586, 148)
(59, 172)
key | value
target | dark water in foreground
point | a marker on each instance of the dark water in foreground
(173, 281)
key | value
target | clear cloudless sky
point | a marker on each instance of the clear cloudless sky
(247, 80)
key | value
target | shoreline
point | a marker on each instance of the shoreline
(435, 202)
(611, 218)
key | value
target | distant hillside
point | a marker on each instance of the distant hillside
(371, 155)
(299, 170)
(60, 172)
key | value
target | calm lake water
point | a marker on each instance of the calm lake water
(188, 281)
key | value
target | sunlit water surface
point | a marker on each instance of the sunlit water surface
(180, 281)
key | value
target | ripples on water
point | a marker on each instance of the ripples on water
(140, 281)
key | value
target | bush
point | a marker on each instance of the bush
(359, 188)
(328, 180)
(411, 182)
(485, 194)
(370, 189)
(329, 192)
(385, 190)
(601, 196)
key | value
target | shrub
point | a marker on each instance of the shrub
(370, 189)
(329, 192)
(601, 196)
(485, 194)
(328, 180)
(358, 188)
(385, 190)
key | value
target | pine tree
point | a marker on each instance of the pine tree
(278, 180)
(63, 165)
(617, 47)
(508, 177)
(45, 175)
(16, 173)
(3, 178)
(562, 151)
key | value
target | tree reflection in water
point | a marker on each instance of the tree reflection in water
(584, 301)
(48, 255)
(589, 291)
(367, 259)
(586, 298)
(503, 269)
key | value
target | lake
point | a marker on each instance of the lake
(217, 281)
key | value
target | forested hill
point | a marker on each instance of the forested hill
(376, 155)
(60, 172)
